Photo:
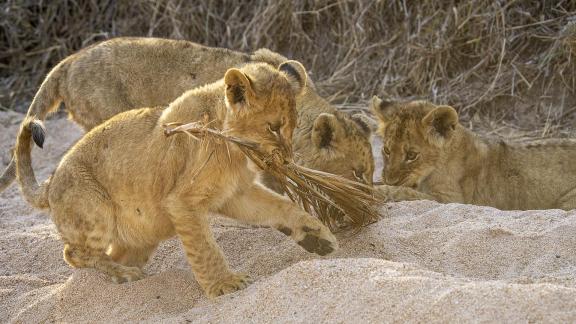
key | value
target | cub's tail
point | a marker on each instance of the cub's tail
(8, 175)
(36, 195)
(46, 100)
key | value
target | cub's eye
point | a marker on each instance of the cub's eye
(386, 151)
(274, 127)
(411, 156)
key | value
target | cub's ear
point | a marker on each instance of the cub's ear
(441, 123)
(239, 90)
(382, 108)
(296, 75)
(366, 124)
(327, 130)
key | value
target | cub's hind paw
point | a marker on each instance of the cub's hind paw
(127, 274)
(232, 283)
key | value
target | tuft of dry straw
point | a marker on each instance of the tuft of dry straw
(337, 201)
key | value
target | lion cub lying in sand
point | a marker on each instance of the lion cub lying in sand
(117, 75)
(125, 186)
(426, 148)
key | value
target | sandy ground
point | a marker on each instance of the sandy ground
(423, 261)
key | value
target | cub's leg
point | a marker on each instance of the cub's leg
(260, 206)
(131, 256)
(204, 255)
(84, 216)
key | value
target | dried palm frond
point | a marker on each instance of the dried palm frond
(337, 201)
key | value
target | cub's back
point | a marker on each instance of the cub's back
(128, 73)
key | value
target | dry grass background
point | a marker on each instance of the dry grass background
(507, 66)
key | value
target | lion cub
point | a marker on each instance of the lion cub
(120, 74)
(426, 148)
(125, 186)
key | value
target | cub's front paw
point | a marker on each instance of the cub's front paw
(232, 283)
(316, 238)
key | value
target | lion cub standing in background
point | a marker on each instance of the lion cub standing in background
(426, 148)
(120, 74)
(125, 186)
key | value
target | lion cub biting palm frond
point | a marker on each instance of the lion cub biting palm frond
(125, 186)
(426, 148)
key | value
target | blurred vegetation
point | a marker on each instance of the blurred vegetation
(506, 61)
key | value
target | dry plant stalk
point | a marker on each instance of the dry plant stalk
(338, 202)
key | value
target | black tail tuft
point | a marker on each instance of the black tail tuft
(38, 132)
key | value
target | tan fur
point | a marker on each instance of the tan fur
(114, 76)
(125, 186)
(452, 164)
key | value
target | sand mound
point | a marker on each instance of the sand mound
(423, 261)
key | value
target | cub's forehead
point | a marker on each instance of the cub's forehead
(406, 119)
(351, 128)
(258, 68)
(405, 133)
(412, 110)
(400, 128)
(261, 73)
